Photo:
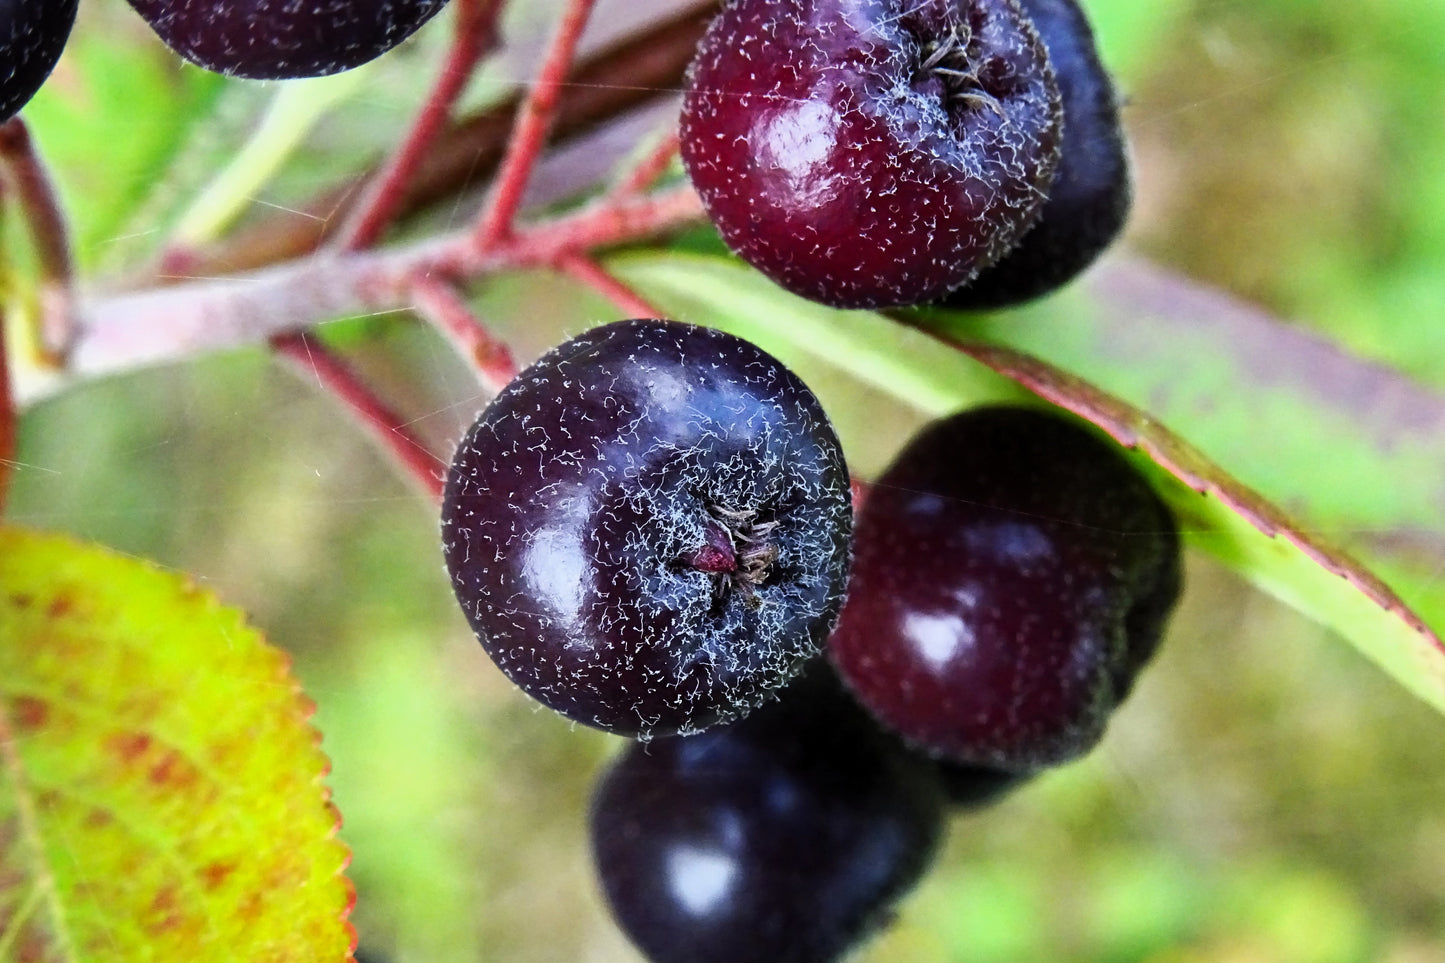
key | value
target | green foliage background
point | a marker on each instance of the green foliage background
(1266, 795)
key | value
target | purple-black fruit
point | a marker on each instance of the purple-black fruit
(871, 154)
(785, 837)
(1012, 574)
(32, 35)
(1090, 195)
(649, 528)
(284, 39)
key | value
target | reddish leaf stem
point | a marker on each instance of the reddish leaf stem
(312, 359)
(31, 182)
(385, 194)
(592, 274)
(439, 303)
(529, 133)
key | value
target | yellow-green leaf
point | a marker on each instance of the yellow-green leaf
(161, 793)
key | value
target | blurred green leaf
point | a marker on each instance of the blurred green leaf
(109, 124)
(1231, 522)
(160, 785)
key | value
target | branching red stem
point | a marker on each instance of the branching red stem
(386, 193)
(314, 360)
(139, 328)
(529, 133)
(622, 77)
(440, 304)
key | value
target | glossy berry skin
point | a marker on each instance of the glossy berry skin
(649, 529)
(784, 837)
(284, 39)
(1090, 196)
(32, 35)
(1013, 574)
(873, 153)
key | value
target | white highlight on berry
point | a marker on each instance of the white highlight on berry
(701, 878)
(938, 638)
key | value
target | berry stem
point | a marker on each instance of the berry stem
(23, 170)
(386, 193)
(313, 359)
(529, 133)
(440, 304)
(589, 272)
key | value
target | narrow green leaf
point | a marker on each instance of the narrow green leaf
(161, 790)
(1220, 515)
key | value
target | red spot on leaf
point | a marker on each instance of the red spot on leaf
(165, 914)
(130, 746)
(60, 607)
(215, 874)
(173, 771)
(30, 713)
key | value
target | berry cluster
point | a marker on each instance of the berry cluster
(260, 39)
(649, 531)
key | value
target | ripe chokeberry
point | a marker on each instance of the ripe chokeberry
(649, 528)
(284, 39)
(871, 154)
(1090, 195)
(32, 35)
(1012, 575)
(784, 837)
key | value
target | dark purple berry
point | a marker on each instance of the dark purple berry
(32, 35)
(649, 528)
(1090, 196)
(284, 39)
(785, 837)
(1012, 575)
(871, 154)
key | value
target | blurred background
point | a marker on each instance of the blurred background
(1266, 796)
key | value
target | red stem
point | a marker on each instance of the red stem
(592, 274)
(132, 329)
(532, 125)
(312, 359)
(386, 193)
(440, 304)
(41, 210)
(637, 70)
